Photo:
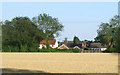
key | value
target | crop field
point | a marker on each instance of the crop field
(61, 62)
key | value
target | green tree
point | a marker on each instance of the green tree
(22, 33)
(49, 25)
(76, 40)
(65, 40)
(108, 33)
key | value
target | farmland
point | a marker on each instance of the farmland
(62, 62)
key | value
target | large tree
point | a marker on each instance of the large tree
(20, 34)
(49, 25)
(108, 33)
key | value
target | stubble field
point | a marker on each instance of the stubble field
(62, 62)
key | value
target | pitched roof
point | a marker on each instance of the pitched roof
(63, 46)
(69, 41)
(97, 45)
(76, 47)
(71, 45)
(51, 42)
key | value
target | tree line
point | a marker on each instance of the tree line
(23, 34)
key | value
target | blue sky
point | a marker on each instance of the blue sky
(80, 19)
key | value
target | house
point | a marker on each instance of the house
(97, 46)
(63, 46)
(70, 45)
(52, 43)
(76, 47)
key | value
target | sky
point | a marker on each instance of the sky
(81, 19)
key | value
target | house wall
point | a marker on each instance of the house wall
(103, 49)
(56, 45)
(52, 46)
(40, 46)
(96, 49)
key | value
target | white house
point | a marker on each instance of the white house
(52, 43)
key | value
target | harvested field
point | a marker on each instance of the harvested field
(62, 62)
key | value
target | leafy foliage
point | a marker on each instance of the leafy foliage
(65, 40)
(60, 50)
(23, 35)
(49, 25)
(76, 40)
(109, 34)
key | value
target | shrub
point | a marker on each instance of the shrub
(15, 49)
(24, 48)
